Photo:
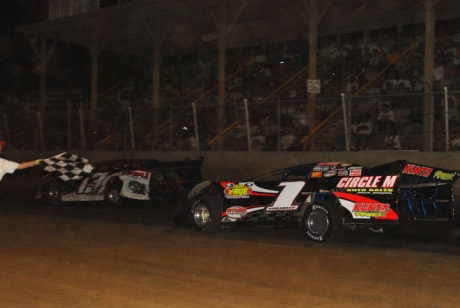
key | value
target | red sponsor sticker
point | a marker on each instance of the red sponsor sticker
(236, 212)
(417, 170)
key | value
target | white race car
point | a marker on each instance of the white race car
(119, 180)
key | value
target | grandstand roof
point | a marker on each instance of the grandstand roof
(188, 25)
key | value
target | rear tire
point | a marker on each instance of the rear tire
(323, 222)
(53, 193)
(206, 213)
(112, 194)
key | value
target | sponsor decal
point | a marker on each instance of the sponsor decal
(320, 168)
(237, 191)
(371, 209)
(443, 176)
(141, 174)
(417, 170)
(330, 173)
(316, 174)
(366, 208)
(355, 172)
(368, 182)
(292, 207)
(381, 191)
(343, 173)
(332, 164)
(236, 212)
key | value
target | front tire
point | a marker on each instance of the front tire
(323, 222)
(206, 213)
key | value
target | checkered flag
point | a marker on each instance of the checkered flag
(67, 166)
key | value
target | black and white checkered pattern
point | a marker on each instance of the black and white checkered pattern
(67, 166)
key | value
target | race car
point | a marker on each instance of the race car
(117, 181)
(327, 198)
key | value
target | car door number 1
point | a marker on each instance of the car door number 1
(285, 199)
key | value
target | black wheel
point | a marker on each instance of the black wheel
(53, 192)
(323, 222)
(206, 213)
(382, 229)
(112, 193)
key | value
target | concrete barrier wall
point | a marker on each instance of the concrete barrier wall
(240, 165)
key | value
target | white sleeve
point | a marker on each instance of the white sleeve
(7, 166)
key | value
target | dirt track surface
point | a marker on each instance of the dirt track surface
(91, 255)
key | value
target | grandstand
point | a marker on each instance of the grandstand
(213, 93)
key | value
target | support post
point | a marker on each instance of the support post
(248, 128)
(346, 122)
(195, 122)
(131, 129)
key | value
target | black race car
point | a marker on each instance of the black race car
(117, 181)
(327, 198)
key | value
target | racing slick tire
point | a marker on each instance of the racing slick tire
(53, 192)
(112, 193)
(206, 213)
(323, 222)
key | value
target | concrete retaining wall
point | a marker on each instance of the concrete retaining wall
(242, 165)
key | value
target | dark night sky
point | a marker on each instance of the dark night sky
(68, 67)
(16, 58)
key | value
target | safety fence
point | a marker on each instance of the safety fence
(344, 122)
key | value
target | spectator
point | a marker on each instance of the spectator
(190, 142)
(456, 38)
(417, 84)
(269, 126)
(261, 58)
(352, 85)
(392, 140)
(300, 118)
(456, 141)
(404, 81)
(451, 75)
(376, 61)
(385, 118)
(288, 140)
(438, 74)
(362, 132)
(402, 116)
(258, 140)
(391, 78)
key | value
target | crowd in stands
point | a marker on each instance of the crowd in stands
(386, 112)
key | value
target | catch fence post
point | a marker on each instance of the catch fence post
(82, 130)
(196, 127)
(248, 132)
(40, 131)
(446, 110)
(131, 128)
(346, 122)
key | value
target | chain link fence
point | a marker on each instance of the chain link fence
(389, 122)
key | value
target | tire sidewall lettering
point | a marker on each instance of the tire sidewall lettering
(320, 207)
(314, 237)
